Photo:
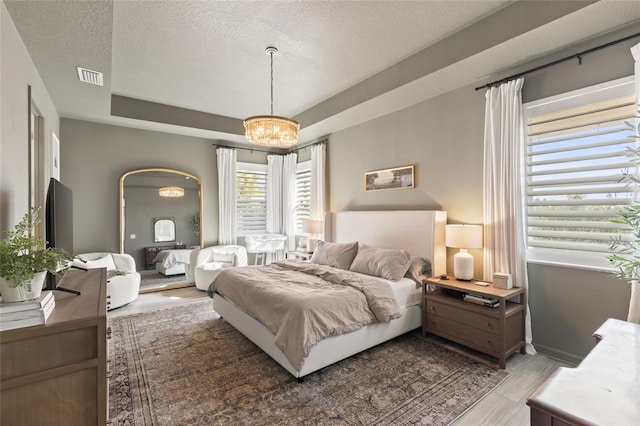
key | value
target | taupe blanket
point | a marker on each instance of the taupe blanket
(302, 303)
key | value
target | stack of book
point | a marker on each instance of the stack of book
(27, 313)
(481, 300)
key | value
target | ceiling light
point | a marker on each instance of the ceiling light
(171, 191)
(271, 130)
(90, 76)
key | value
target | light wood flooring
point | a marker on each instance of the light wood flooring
(504, 406)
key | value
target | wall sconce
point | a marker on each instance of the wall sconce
(464, 237)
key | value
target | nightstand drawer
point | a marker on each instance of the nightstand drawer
(473, 319)
(464, 334)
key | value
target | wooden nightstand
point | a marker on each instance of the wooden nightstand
(498, 331)
(300, 255)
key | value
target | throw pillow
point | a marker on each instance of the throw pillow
(338, 255)
(390, 264)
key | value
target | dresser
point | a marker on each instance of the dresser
(151, 252)
(56, 373)
(603, 390)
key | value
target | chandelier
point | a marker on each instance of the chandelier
(271, 130)
(171, 191)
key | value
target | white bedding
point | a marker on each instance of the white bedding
(170, 258)
(407, 292)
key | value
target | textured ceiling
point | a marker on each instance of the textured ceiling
(340, 62)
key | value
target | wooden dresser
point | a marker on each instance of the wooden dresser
(603, 390)
(56, 373)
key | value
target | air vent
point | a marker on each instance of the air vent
(89, 76)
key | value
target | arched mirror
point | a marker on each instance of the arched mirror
(160, 212)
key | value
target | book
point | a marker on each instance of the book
(38, 303)
(27, 318)
(484, 301)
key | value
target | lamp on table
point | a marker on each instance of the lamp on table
(464, 237)
(313, 228)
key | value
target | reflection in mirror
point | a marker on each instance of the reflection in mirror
(170, 200)
(164, 229)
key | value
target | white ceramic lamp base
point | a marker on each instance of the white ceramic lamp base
(463, 265)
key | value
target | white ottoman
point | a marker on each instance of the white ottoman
(206, 273)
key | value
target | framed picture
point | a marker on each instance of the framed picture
(395, 178)
(55, 156)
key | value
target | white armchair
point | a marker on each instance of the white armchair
(123, 282)
(207, 263)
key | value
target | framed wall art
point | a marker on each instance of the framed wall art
(395, 178)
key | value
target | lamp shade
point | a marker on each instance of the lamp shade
(464, 236)
(312, 226)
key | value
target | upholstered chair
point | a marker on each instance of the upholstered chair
(123, 282)
(207, 263)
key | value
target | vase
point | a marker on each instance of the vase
(21, 293)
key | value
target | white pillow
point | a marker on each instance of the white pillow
(104, 262)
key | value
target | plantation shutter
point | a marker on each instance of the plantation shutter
(303, 194)
(574, 162)
(251, 187)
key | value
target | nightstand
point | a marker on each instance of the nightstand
(300, 255)
(498, 332)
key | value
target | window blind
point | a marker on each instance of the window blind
(251, 198)
(574, 161)
(303, 194)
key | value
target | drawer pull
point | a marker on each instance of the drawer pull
(108, 332)
(433, 308)
(109, 374)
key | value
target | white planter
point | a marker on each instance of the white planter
(20, 294)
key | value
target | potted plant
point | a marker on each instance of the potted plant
(25, 260)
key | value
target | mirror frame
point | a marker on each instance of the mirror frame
(155, 169)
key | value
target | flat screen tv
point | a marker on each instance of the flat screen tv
(58, 222)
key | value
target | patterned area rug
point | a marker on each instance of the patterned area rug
(186, 366)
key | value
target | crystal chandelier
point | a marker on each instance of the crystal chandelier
(171, 191)
(271, 130)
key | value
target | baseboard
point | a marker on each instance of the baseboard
(557, 355)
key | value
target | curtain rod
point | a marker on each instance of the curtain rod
(323, 141)
(578, 55)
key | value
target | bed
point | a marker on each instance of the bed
(172, 262)
(419, 232)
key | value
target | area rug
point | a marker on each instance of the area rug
(187, 366)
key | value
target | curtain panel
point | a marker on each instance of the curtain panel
(504, 145)
(274, 194)
(227, 219)
(318, 187)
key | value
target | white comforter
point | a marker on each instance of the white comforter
(170, 258)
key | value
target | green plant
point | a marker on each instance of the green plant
(625, 252)
(22, 254)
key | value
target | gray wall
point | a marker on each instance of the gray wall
(443, 137)
(94, 156)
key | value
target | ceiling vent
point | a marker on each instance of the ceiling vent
(89, 76)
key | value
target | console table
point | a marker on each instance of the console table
(602, 390)
(56, 373)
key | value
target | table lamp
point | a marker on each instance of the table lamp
(464, 237)
(313, 228)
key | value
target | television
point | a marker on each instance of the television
(58, 223)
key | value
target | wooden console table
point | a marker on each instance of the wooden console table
(56, 373)
(603, 390)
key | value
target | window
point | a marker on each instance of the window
(303, 194)
(576, 150)
(251, 198)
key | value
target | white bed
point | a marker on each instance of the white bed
(172, 262)
(420, 232)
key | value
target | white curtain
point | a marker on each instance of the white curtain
(274, 194)
(634, 303)
(227, 219)
(289, 198)
(504, 145)
(318, 187)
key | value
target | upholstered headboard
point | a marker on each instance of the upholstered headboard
(420, 232)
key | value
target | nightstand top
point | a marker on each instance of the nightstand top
(471, 287)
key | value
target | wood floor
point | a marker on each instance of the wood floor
(505, 405)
